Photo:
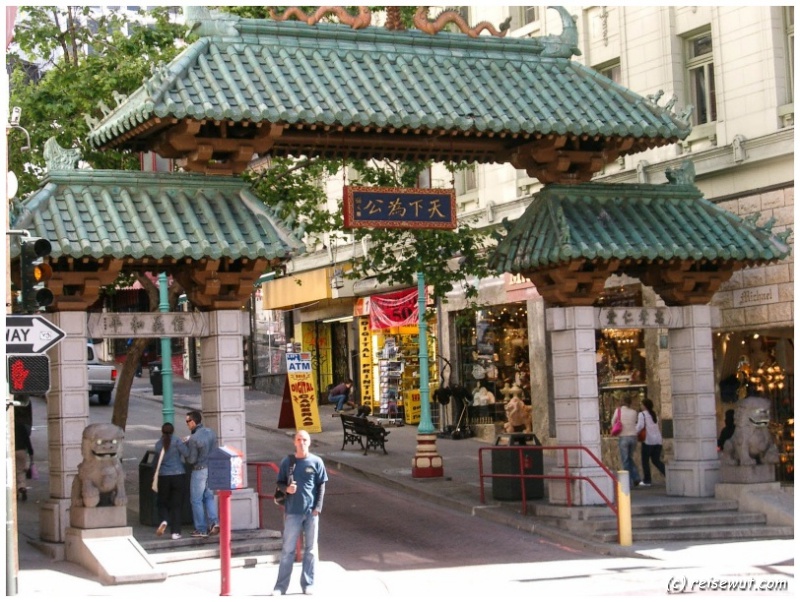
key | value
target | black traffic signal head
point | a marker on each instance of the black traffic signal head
(34, 273)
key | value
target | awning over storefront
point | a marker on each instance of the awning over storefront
(297, 289)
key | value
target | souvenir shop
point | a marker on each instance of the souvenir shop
(492, 362)
(388, 341)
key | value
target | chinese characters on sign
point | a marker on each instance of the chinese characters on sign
(638, 317)
(408, 208)
(153, 325)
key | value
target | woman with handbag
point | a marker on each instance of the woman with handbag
(652, 444)
(169, 481)
(627, 417)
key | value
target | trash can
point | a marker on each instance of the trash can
(148, 510)
(507, 462)
(155, 378)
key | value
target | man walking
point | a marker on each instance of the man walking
(302, 476)
(200, 444)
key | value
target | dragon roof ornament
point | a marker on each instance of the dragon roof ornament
(207, 22)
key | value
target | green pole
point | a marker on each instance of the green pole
(168, 411)
(425, 424)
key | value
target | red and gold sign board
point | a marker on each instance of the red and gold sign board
(402, 208)
(299, 408)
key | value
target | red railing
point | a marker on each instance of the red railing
(260, 468)
(567, 476)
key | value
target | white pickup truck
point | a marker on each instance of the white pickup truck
(102, 376)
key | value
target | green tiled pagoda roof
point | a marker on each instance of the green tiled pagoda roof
(138, 215)
(291, 73)
(637, 222)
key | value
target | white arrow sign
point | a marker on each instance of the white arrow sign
(31, 334)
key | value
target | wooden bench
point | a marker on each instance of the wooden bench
(355, 429)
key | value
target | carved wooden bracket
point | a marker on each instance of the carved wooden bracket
(679, 283)
(76, 284)
(578, 282)
(217, 147)
(220, 284)
(567, 159)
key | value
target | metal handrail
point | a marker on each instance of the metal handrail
(567, 476)
(260, 468)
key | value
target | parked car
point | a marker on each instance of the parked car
(102, 376)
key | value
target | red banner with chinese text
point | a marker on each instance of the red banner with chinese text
(400, 308)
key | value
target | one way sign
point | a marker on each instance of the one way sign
(31, 334)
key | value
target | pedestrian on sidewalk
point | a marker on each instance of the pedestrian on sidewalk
(23, 456)
(200, 445)
(302, 476)
(171, 480)
(653, 442)
(627, 438)
(340, 394)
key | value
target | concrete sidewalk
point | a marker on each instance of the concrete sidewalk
(458, 489)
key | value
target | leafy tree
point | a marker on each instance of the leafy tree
(63, 62)
(67, 59)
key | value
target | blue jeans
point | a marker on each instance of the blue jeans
(338, 400)
(202, 501)
(626, 447)
(293, 526)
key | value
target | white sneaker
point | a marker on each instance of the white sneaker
(161, 528)
(277, 592)
(176, 536)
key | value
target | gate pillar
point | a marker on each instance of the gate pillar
(67, 417)
(222, 398)
(695, 468)
(576, 403)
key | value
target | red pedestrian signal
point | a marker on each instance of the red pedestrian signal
(28, 374)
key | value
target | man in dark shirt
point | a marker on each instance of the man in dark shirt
(340, 394)
(302, 476)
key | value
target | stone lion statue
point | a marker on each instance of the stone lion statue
(100, 480)
(752, 442)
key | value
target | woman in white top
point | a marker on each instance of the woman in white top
(627, 439)
(652, 445)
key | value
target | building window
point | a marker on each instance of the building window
(466, 180)
(788, 17)
(528, 14)
(611, 70)
(700, 71)
(424, 179)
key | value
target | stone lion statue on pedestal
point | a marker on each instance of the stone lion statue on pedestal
(752, 442)
(100, 480)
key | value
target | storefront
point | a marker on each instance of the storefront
(493, 360)
(760, 363)
(388, 339)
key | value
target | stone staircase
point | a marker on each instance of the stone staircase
(662, 518)
(187, 555)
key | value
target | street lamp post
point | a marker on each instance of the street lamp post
(426, 462)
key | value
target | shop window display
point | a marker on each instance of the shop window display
(621, 362)
(493, 359)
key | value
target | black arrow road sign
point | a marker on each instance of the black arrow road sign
(31, 334)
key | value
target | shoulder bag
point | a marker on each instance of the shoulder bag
(642, 434)
(154, 486)
(280, 495)
(616, 427)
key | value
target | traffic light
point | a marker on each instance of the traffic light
(28, 374)
(34, 273)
